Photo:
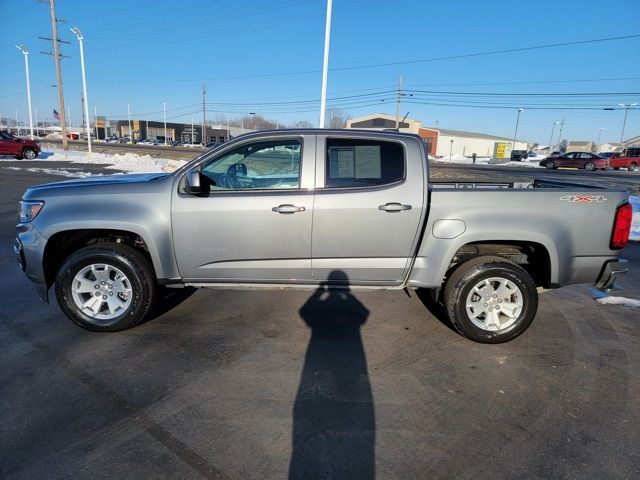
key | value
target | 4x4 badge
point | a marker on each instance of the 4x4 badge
(584, 198)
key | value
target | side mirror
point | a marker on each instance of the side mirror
(192, 182)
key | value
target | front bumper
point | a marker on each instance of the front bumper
(610, 270)
(27, 248)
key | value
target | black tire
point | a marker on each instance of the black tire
(550, 165)
(589, 166)
(29, 154)
(616, 168)
(135, 267)
(459, 287)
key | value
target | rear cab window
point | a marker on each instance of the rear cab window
(351, 163)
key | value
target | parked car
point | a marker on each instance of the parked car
(518, 155)
(532, 155)
(588, 161)
(213, 144)
(629, 159)
(18, 147)
(364, 211)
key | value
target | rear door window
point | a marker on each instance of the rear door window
(363, 163)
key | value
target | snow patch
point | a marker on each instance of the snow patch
(622, 301)
(128, 162)
(462, 160)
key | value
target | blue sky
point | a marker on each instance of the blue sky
(265, 57)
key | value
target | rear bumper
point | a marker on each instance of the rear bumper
(610, 271)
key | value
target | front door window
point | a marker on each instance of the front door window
(270, 165)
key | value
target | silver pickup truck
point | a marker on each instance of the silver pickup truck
(309, 208)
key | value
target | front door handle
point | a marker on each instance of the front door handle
(394, 207)
(287, 209)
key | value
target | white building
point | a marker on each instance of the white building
(440, 142)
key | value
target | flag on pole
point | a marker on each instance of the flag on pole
(56, 115)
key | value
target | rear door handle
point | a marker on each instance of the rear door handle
(287, 209)
(394, 207)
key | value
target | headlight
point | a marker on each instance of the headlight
(29, 210)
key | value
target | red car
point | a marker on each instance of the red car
(588, 161)
(17, 147)
(629, 159)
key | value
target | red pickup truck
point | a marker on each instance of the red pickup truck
(18, 147)
(629, 159)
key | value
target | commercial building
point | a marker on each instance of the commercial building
(580, 146)
(440, 142)
(151, 130)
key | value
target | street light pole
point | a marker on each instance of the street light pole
(164, 116)
(95, 120)
(25, 52)
(598, 144)
(80, 38)
(551, 138)
(450, 149)
(516, 132)
(325, 63)
(624, 124)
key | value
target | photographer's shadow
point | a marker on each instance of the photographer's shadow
(333, 415)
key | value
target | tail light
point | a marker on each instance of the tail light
(621, 227)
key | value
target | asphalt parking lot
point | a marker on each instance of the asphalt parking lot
(269, 385)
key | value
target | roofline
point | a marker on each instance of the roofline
(345, 132)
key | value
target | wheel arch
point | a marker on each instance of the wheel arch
(533, 257)
(541, 258)
(62, 244)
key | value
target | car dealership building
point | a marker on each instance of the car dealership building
(440, 142)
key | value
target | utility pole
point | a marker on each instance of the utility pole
(95, 120)
(56, 57)
(193, 131)
(36, 113)
(204, 117)
(399, 95)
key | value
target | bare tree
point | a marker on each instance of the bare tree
(303, 124)
(337, 118)
(563, 145)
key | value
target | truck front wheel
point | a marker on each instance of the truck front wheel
(106, 287)
(490, 299)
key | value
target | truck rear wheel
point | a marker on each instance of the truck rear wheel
(106, 287)
(490, 299)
